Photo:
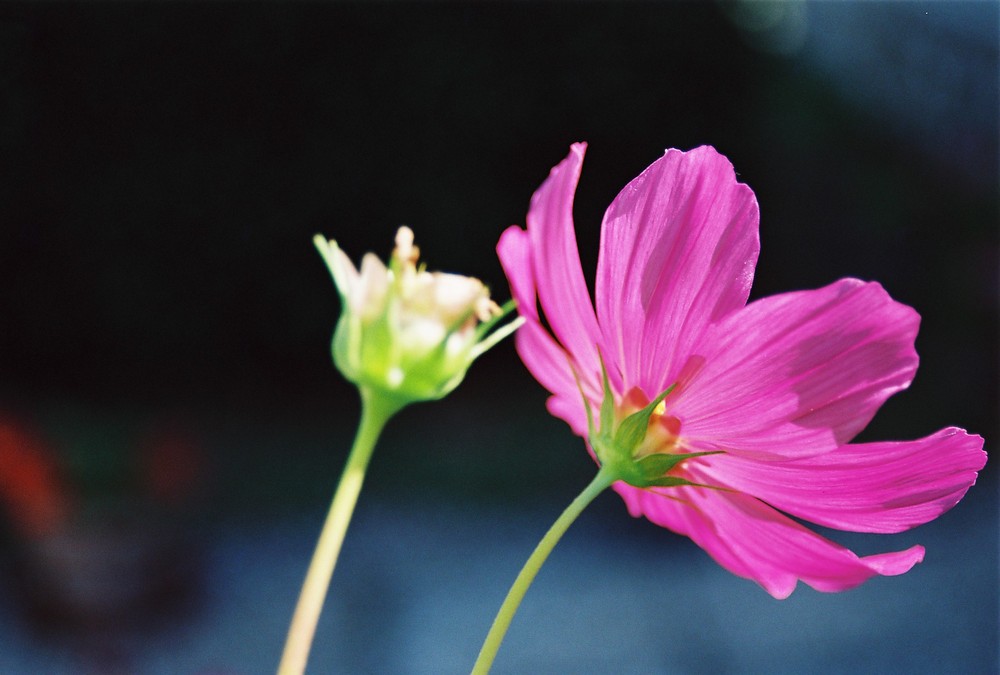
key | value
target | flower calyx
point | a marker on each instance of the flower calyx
(405, 332)
(637, 446)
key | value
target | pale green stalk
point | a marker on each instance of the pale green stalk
(501, 623)
(376, 409)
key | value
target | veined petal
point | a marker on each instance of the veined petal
(866, 487)
(678, 249)
(555, 260)
(572, 412)
(801, 373)
(514, 252)
(543, 356)
(754, 541)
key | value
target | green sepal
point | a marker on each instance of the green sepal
(671, 481)
(616, 445)
(632, 430)
(591, 432)
(659, 464)
(608, 404)
(485, 327)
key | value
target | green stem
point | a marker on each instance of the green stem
(376, 409)
(501, 623)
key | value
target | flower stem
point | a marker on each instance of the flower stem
(501, 623)
(376, 409)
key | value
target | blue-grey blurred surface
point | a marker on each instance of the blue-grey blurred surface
(418, 586)
(163, 168)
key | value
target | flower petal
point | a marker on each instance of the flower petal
(572, 413)
(555, 260)
(754, 541)
(867, 487)
(543, 356)
(345, 276)
(801, 373)
(678, 249)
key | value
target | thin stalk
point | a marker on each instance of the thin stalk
(375, 412)
(501, 623)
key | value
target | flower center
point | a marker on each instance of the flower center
(639, 443)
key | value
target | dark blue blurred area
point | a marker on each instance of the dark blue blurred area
(166, 321)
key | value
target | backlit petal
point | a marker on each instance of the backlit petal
(799, 373)
(678, 250)
(754, 541)
(866, 487)
(545, 359)
(555, 259)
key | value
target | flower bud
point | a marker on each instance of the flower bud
(406, 332)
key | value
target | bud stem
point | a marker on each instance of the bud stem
(376, 409)
(501, 623)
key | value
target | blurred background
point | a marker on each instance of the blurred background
(171, 425)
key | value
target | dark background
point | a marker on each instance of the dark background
(165, 166)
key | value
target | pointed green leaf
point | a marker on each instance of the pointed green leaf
(659, 464)
(485, 327)
(608, 404)
(672, 481)
(666, 392)
(591, 432)
(633, 428)
(631, 432)
(496, 336)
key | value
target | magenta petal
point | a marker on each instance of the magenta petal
(673, 510)
(562, 289)
(799, 373)
(754, 541)
(570, 411)
(514, 252)
(867, 487)
(678, 250)
(546, 359)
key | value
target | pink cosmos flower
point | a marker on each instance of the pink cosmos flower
(774, 389)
